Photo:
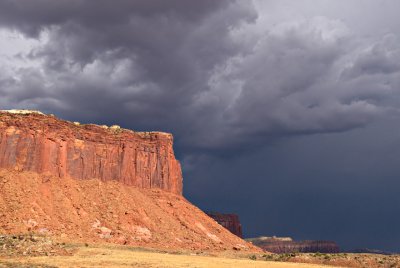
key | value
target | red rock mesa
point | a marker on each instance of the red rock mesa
(32, 141)
(73, 182)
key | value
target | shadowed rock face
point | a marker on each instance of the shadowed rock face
(229, 221)
(46, 144)
(287, 245)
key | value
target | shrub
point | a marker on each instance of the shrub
(253, 257)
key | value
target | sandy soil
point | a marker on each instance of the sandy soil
(35, 251)
(128, 257)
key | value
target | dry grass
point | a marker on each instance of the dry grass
(125, 257)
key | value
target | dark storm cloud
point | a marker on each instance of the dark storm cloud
(206, 70)
(143, 58)
(33, 16)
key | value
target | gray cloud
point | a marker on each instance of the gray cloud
(32, 17)
(149, 56)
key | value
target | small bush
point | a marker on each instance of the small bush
(253, 257)
(317, 254)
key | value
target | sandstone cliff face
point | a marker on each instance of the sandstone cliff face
(229, 221)
(45, 144)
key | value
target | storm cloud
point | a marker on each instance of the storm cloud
(229, 79)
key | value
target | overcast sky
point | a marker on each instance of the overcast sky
(285, 112)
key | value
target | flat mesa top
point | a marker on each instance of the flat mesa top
(16, 111)
(51, 120)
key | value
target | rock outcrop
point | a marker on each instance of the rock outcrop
(32, 141)
(229, 221)
(287, 245)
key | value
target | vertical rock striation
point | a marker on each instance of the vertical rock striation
(31, 141)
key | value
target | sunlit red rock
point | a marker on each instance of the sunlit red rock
(31, 141)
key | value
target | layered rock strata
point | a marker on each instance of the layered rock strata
(229, 221)
(287, 245)
(32, 141)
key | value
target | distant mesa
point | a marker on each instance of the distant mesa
(229, 221)
(267, 239)
(371, 251)
(288, 245)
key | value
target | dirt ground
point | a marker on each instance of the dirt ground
(128, 257)
(35, 251)
(339, 259)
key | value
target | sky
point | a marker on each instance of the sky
(285, 112)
